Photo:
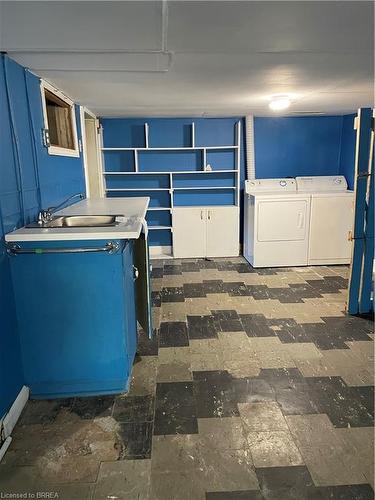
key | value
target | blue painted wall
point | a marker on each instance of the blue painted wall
(172, 132)
(296, 146)
(29, 177)
(347, 154)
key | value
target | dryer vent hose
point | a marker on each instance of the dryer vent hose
(250, 155)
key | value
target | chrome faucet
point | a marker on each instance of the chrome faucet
(45, 215)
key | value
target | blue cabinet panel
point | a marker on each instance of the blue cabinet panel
(204, 197)
(215, 131)
(174, 132)
(223, 179)
(222, 159)
(159, 218)
(76, 319)
(137, 181)
(161, 237)
(119, 161)
(158, 198)
(156, 161)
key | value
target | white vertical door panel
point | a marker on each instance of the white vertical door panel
(189, 232)
(331, 221)
(222, 232)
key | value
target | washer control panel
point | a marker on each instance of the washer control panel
(270, 185)
(321, 183)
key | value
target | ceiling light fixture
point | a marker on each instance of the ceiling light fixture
(280, 102)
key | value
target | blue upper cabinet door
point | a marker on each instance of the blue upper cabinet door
(129, 299)
(143, 284)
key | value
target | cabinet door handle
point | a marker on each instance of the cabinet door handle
(209, 215)
(201, 214)
(135, 273)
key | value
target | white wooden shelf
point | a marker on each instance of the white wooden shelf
(171, 189)
(174, 172)
(205, 171)
(135, 173)
(137, 189)
(158, 209)
(177, 148)
(192, 188)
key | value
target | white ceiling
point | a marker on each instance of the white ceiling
(188, 58)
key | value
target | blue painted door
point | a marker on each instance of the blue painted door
(361, 282)
(143, 284)
(129, 300)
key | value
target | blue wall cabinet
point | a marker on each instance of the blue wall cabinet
(177, 163)
(76, 316)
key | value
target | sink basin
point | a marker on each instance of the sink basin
(78, 221)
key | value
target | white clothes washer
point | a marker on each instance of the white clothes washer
(331, 218)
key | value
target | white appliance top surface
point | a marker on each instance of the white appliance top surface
(132, 212)
(271, 186)
(321, 183)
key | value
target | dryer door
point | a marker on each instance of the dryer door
(281, 232)
(282, 220)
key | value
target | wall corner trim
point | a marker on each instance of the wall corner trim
(8, 422)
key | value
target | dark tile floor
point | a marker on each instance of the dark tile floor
(256, 386)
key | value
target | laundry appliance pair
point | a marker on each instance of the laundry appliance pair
(298, 222)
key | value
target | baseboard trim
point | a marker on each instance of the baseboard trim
(10, 418)
(4, 447)
(161, 252)
(8, 422)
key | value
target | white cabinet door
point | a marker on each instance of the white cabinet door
(189, 232)
(222, 232)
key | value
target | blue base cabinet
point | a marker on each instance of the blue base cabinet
(77, 318)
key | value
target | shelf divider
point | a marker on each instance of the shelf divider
(176, 172)
(146, 135)
(177, 148)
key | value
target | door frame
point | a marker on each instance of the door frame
(85, 111)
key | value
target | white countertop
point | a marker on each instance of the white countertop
(132, 210)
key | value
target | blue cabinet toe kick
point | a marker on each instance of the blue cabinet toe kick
(77, 315)
(48, 390)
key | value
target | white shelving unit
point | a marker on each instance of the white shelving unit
(172, 188)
